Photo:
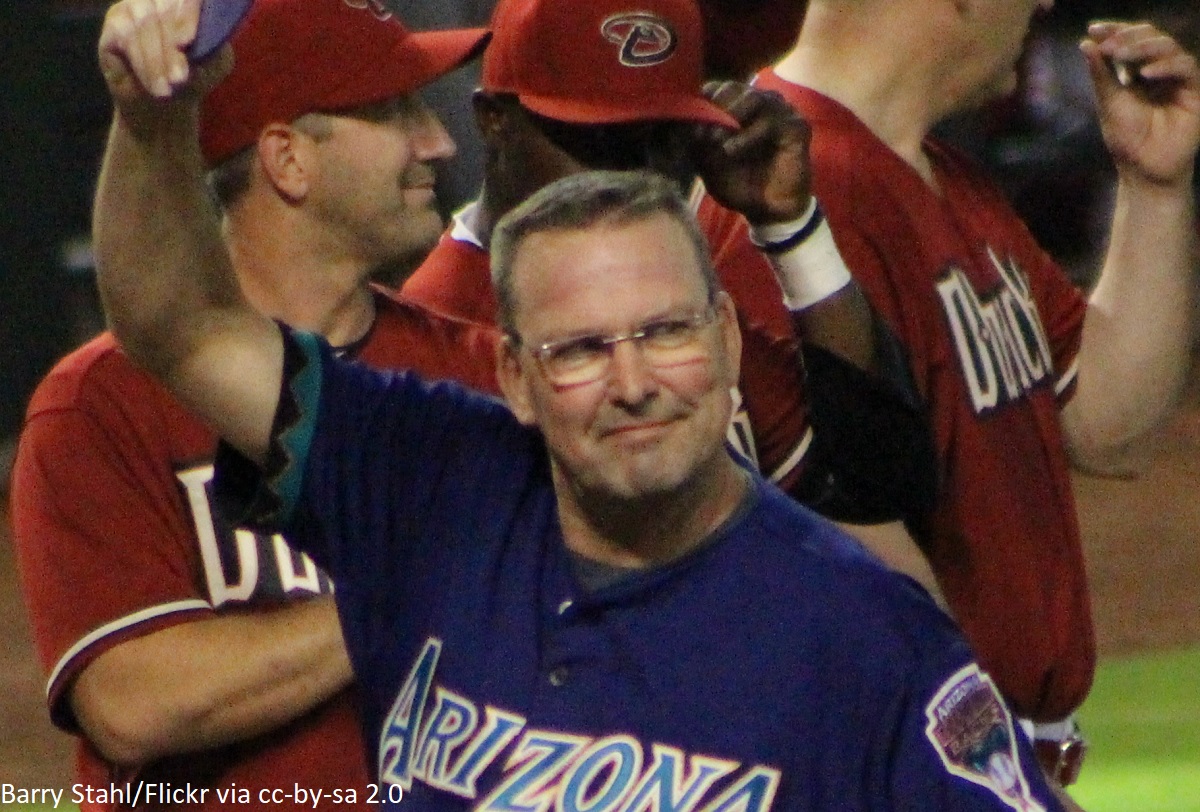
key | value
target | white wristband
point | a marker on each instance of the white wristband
(805, 257)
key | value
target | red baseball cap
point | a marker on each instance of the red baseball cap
(293, 57)
(601, 61)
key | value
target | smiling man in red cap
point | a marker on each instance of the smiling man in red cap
(185, 652)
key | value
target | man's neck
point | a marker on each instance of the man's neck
(486, 216)
(336, 303)
(654, 530)
(885, 88)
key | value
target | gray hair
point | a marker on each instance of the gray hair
(583, 200)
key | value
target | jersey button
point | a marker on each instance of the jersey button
(558, 676)
(565, 605)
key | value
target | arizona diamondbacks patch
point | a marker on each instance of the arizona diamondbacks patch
(972, 731)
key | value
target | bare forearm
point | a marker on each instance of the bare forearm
(1136, 344)
(842, 324)
(165, 277)
(208, 683)
(159, 253)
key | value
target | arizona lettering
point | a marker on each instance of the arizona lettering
(440, 738)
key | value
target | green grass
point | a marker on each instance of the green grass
(1142, 720)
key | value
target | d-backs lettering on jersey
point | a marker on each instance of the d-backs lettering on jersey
(1001, 344)
(241, 566)
(446, 741)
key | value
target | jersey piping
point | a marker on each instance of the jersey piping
(121, 624)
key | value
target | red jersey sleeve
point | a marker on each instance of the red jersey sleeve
(101, 536)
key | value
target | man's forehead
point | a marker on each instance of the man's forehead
(605, 259)
(611, 232)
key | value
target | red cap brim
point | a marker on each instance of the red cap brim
(685, 108)
(429, 55)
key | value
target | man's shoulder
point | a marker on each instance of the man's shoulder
(409, 335)
(98, 376)
(832, 563)
(455, 248)
(455, 278)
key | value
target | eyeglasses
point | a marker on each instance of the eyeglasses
(664, 343)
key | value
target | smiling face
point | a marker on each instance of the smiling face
(639, 431)
(374, 191)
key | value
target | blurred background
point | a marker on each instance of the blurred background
(1042, 145)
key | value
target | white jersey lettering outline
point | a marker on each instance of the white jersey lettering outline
(434, 735)
(256, 561)
(999, 339)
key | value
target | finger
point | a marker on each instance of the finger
(160, 31)
(1146, 49)
(1106, 79)
(774, 129)
(764, 136)
(1176, 65)
(112, 47)
(1134, 44)
(1111, 34)
(182, 21)
(722, 92)
(748, 104)
(176, 29)
(762, 115)
(122, 49)
(147, 48)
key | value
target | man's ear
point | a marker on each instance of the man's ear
(283, 156)
(490, 114)
(513, 377)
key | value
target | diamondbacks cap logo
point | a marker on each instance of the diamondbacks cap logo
(972, 731)
(377, 7)
(644, 38)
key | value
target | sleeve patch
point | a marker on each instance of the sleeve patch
(972, 731)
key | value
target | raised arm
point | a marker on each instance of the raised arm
(1135, 351)
(855, 380)
(762, 172)
(165, 277)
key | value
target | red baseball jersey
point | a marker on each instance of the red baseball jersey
(992, 327)
(116, 538)
(770, 425)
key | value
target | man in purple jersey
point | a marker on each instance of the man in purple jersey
(584, 603)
